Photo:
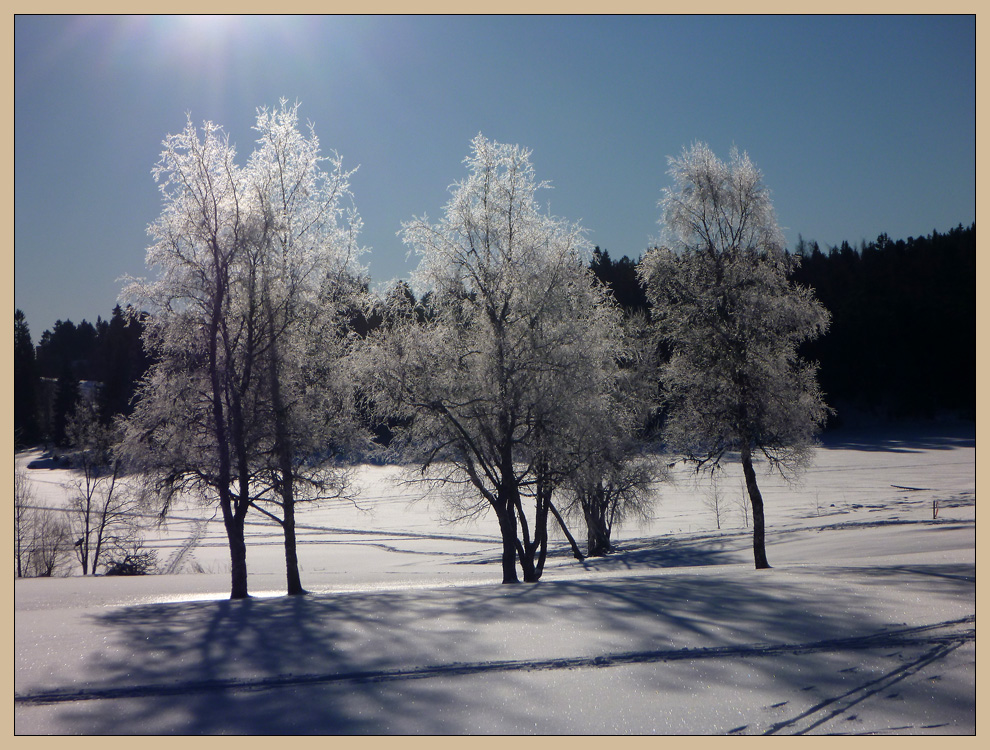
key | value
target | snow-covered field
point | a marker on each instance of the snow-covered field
(865, 624)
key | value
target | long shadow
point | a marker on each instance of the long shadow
(673, 552)
(644, 554)
(237, 642)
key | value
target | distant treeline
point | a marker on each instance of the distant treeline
(104, 362)
(902, 343)
(903, 335)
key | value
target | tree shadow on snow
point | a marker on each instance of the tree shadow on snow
(352, 663)
(674, 552)
(647, 553)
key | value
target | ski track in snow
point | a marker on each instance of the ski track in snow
(944, 636)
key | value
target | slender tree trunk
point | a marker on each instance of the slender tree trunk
(98, 550)
(293, 583)
(505, 508)
(756, 499)
(105, 517)
(540, 537)
(233, 521)
(283, 448)
(239, 504)
(560, 521)
(84, 553)
(86, 514)
(537, 553)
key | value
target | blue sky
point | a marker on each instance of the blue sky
(861, 125)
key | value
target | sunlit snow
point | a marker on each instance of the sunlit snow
(865, 624)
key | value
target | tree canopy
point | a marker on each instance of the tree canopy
(517, 340)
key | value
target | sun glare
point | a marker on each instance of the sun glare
(205, 20)
(206, 27)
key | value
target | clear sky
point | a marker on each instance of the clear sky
(861, 125)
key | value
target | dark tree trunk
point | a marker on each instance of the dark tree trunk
(241, 503)
(84, 546)
(101, 529)
(238, 563)
(98, 550)
(599, 542)
(540, 543)
(292, 581)
(526, 547)
(528, 564)
(234, 525)
(233, 519)
(538, 554)
(283, 446)
(599, 532)
(756, 499)
(507, 524)
(235, 530)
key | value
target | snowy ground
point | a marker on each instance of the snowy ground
(866, 623)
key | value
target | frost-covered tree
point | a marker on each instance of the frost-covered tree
(308, 284)
(67, 397)
(191, 428)
(723, 303)
(516, 338)
(615, 470)
(249, 400)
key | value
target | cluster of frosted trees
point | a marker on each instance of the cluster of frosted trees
(516, 384)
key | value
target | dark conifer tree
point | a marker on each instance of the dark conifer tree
(25, 384)
(620, 276)
(67, 395)
(121, 363)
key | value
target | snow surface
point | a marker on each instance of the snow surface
(866, 623)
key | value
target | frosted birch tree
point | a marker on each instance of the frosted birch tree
(191, 428)
(517, 336)
(249, 401)
(723, 303)
(309, 282)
